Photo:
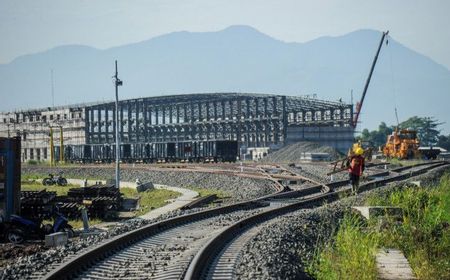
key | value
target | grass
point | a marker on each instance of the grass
(423, 236)
(150, 199)
(349, 256)
(78, 223)
(39, 176)
(205, 192)
(38, 187)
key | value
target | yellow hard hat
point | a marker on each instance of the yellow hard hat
(359, 151)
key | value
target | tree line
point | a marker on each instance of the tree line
(427, 129)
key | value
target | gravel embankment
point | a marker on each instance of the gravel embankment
(238, 188)
(318, 171)
(279, 251)
(294, 152)
(36, 264)
(285, 244)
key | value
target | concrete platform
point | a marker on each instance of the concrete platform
(370, 212)
(392, 265)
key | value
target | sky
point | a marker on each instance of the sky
(30, 26)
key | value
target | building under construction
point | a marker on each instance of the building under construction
(252, 120)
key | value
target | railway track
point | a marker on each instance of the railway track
(219, 257)
(182, 246)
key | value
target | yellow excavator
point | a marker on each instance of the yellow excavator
(402, 144)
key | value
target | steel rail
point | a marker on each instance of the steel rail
(89, 258)
(201, 263)
(72, 267)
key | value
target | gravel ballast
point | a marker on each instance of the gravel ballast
(295, 151)
(286, 244)
(279, 251)
(237, 187)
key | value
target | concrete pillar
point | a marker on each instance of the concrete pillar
(87, 126)
(200, 116)
(247, 108)
(146, 124)
(92, 125)
(137, 122)
(239, 121)
(215, 110)
(192, 121)
(107, 124)
(284, 119)
(129, 121)
(99, 123)
(121, 108)
(274, 106)
(266, 107)
(223, 109)
(191, 113)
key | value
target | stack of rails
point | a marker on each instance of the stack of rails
(37, 205)
(98, 199)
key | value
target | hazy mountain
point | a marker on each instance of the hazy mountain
(241, 59)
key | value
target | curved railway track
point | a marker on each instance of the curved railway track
(219, 257)
(205, 244)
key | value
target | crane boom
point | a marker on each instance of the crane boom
(359, 104)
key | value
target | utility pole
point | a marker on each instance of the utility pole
(118, 83)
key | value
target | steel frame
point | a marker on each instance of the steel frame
(255, 120)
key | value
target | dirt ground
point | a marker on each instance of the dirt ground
(9, 252)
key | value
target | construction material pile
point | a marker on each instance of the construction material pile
(297, 151)
(98, 199)
(37, 204)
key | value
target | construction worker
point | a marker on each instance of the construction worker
(356, 168)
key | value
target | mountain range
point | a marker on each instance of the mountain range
(237, 59)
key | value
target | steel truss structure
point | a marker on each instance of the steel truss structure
(255, 120)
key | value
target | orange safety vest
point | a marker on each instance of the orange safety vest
(356, 165)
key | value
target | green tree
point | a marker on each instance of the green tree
(444, 142)
(376, 137)
(426, 127)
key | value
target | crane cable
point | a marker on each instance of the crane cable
(394, 89)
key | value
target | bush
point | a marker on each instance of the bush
(423, 236)
(32, 162)
(351, 255)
